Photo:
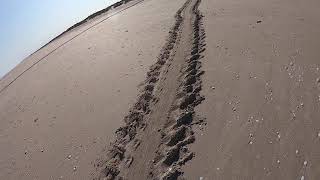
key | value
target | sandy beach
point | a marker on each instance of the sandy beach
(170, 89)
(70, 104)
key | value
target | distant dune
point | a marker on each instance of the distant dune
(98, 13)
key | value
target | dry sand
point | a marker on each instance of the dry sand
(262, 104)
(233, 92)
(72, 102)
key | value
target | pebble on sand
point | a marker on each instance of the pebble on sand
(305, 163)
(291, 63)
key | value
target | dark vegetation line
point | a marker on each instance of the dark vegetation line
(115, 5)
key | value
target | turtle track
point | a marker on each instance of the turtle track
(177, 133)
(172, 152)
(118, 156)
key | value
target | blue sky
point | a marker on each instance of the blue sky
(27, 25)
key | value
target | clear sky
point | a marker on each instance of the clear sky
(26, 25)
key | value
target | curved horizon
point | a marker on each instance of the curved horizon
(28, 27)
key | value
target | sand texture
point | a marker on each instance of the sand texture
(167, 90)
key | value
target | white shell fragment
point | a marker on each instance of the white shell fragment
(305, 163)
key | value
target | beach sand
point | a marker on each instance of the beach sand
(70, 103)
(183, 89)
(262, 104)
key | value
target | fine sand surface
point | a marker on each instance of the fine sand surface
(70, 104)
(262, 91)
(181, 89)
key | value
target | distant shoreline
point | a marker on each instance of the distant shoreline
(114, 5)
